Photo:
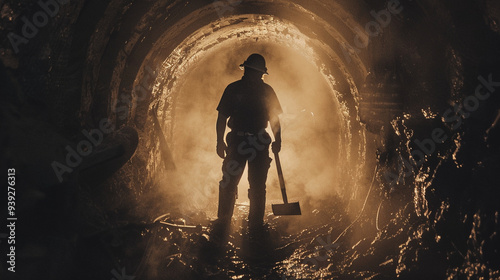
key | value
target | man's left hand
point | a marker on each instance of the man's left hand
(276, 147)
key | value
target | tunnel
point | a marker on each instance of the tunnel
(389, 126)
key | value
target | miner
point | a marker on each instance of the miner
(247, 107)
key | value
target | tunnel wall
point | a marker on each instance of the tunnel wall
(85, 63)
(166, 35)
(426, 72)
(437, 49)
(124, 39)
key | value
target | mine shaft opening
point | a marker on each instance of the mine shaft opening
(323, 151)
(389, 73)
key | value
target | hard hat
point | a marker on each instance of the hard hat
(256, 62)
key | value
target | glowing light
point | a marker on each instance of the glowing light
(316, 151)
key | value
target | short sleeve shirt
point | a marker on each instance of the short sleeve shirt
(249, 105)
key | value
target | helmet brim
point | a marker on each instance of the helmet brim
(264, 71)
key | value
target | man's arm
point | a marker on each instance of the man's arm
(274, 109)
(221, 129)
(276, 128)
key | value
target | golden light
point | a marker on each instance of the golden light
(317, 158)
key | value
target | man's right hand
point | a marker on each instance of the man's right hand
(276, 147)
(221, 149)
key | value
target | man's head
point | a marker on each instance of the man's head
(255, 65)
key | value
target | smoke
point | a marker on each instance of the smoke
(312, 155)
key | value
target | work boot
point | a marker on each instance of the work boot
(227, 198)
(257, 209)
(221, 226)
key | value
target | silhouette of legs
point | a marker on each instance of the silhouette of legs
(257, 176)
(232, 170)
(240, 150)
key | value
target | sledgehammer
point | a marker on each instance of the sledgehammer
(286, 208)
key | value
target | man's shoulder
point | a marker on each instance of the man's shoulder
(233, 85)
(268, 88)
(241, 83)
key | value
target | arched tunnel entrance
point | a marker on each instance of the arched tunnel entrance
(382, 124)
(321, 102)
(189, 89)
(317, 89)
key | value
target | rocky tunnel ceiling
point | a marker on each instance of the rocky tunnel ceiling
(405, 88)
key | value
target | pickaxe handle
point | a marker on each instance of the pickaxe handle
(280, 177)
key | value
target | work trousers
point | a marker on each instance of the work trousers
(243, 148)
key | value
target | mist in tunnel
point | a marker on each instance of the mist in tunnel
(313, 154)
(157, 69)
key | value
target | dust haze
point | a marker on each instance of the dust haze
(311, 129)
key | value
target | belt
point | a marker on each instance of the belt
(242, 133)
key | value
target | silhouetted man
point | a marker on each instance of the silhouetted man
(250, 104)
